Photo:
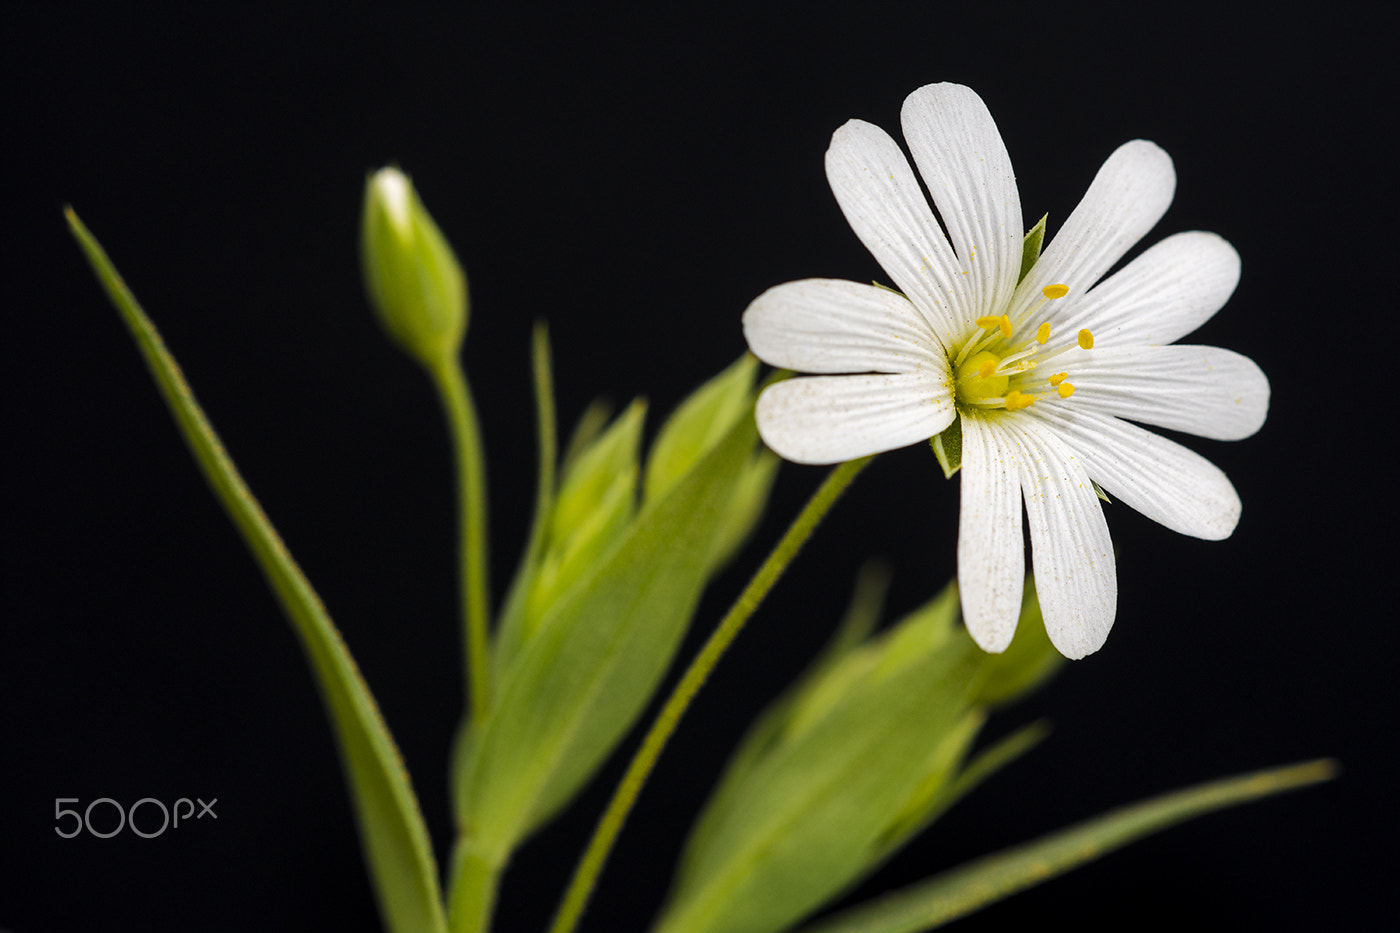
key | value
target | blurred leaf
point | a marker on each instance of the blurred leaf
(768, 728)
(391, 827)
(1028, 661)
(813, 810)
(599, 652)
(962, 890)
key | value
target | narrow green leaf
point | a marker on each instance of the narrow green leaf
(962, 890)
(599, 652)
(391, 827)
(509, 633)
(982, 766)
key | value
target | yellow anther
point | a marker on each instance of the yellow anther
(1058, 378)
(1055, 291)
(1016, 400)
(1001, 323)
(1042, 333)
(1086, 339)
(1066, 390)
(987, 366)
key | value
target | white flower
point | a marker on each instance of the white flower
(1041, 374)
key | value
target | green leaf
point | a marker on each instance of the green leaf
(766, 732)
(1027, 662)
(984, 764)
(697, 424)
(391, 827)
(815, 810)
(1030, 247)
(600, 650)
(962, 890)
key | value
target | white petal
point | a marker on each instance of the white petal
(886, 208)
(1204, 391)
(962, 159)
(1163, 480)
(1126, 199)
(830, 419)
(831, 326)
(1071, 552)
(991, 554)
(1159, 297)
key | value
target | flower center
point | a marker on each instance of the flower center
(992, 372)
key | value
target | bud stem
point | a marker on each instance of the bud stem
(462, 424)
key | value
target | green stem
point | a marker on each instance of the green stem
(591, 864)
(456, 396)
(475, 880)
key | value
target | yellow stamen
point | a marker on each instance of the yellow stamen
(1086, 339)
(1016, 400)
(1058, 378)
(1055, 291)
(1066, 390)
(1042, 333)
(1002, 323)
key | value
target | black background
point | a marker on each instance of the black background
(636, 178)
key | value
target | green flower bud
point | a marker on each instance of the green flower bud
(413, 279)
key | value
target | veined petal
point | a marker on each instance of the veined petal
(1204, 391)
(1161, 296)
(1071, 551)
(960, 154)
(1127, 197)
(833, 326)
(886, 208)
(991, 554)
(830, 419)
(1170, 484)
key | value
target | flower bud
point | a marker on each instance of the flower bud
(413, 279)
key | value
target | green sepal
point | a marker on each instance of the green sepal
(947, 447)
(392, 832)
(1098, 491)
(1030, 247)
